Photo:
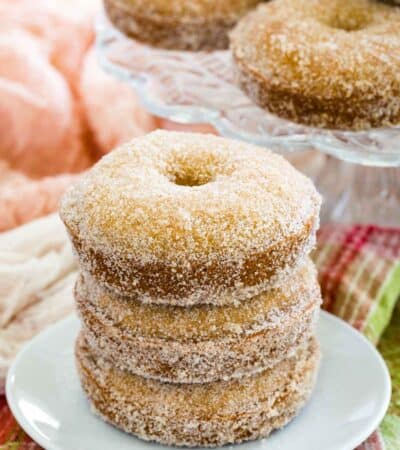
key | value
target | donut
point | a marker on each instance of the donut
(208, 414)
(178, 24)
(324, 63)
(182, 219)
(203, 343)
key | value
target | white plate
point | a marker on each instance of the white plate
(349, 401)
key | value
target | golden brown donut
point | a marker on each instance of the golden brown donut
(178, 24)
(207, 415)
(324, 63)
(183, 219)
(205, 342)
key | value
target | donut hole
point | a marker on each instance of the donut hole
(348, 19)
(190, 179)
(349, 23)
(194, 169)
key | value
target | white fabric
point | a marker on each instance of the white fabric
(37, 275)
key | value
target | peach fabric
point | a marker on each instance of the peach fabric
(47, 130)
(23, 199)
(111, 107)
(42, 46)
(41, 132)
(64, 28)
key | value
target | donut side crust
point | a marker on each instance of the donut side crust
(214, 281)
(356, 112)
(209, 415)
(198, 362)
(203, 322)
(208, 33)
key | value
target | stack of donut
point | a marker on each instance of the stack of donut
(197, 298)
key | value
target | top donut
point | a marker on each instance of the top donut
(186, 218)
(325, 63)
(179, 24)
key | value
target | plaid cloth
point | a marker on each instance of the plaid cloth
(359, 272)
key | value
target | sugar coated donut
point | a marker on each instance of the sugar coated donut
(203, 343)
(324, 63)
(208, 414)
(185, 218)
(179, 24)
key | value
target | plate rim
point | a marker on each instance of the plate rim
(25, 424)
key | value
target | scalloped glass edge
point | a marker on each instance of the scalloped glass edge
(376, 147)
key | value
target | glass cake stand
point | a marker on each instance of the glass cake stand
(199, 87)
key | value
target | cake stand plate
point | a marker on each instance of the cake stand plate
(350, 398)
(199, 87)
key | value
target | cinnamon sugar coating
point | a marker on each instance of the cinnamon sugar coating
(202, 343)
(209, 414)
(269, 309)
(324, 63)
(184, 218)
(178, 24)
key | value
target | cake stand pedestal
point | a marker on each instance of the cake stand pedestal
(357, 194)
